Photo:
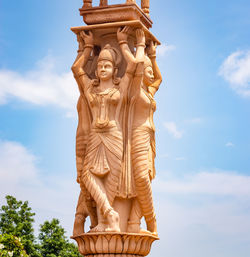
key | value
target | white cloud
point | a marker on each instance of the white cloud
(206, 213)
(40, 86)
(209, 209)
(212, 183)
(229, 144)
(16, 163)
(236, 70)
(164, 49)
(166, 155)
(50, 196)
(172, 129)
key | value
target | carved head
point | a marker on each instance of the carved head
(107, 62)
(148, 77)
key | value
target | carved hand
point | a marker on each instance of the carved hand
(151, 49)
(140, 37)
(80, 42)
(78, 180)
(88, 38)
(122, 33)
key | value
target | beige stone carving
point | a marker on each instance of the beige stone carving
(113, 13)
(117, 77)
(114, 244)
(144, 4)
(104, 101)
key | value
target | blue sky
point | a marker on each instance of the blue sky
(202, 189)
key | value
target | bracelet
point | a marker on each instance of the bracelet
(88, 46)
(130, 72)
(123, 42)
(141, 44)
(138, 74)
(81, 72)
(152, 55)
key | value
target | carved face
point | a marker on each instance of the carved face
(148, 78)
(105, 70)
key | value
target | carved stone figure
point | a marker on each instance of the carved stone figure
(142, 107)
(104, 105)
(117, 77)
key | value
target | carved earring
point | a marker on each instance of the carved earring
(115, 72)
(96, 74)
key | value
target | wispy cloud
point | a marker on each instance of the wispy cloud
(172, 129)
(163, 49)
(166, 155)
(236, 70)
(229, 144)
(195, 120)
(180, 158)
(40, 86)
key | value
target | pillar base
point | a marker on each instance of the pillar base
(113, 255)
(114, 244)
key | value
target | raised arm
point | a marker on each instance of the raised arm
(86, 44)
(134, 63)
(151, 51)
(122, 36)
(140, 53)
(140, 46)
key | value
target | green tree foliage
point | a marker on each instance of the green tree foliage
(16, 218)
(53, 241)
(11, 246)
(17, 237)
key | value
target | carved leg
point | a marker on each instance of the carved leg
(101, 201)
(87, 3)
(135, 218)
(80, 216)
(145, 198)
(103, 2)
(140, 161)
(101, 225)
(145, 6)
(84, 209)
(91, 209)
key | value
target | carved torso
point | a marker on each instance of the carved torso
(103, 106)
(145, 107)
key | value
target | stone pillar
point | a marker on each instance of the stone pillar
(115, 147)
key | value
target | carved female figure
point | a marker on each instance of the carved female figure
(143, 138)
(105, 97)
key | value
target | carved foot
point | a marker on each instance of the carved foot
(152, 227)
(113, 222)
(78, 225)
(134, 227)
(99, 228)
